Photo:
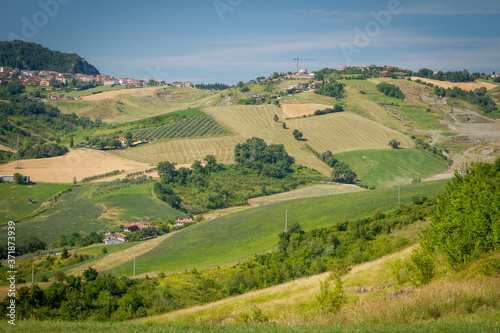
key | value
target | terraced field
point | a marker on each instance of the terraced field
(189, 127)
(346, 131)
(184, 151)
(335, 132)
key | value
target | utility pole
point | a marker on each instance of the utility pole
(286, 220)
(134, 260)
(18, 162)
(399, 194)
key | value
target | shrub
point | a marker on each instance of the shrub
(421, 269)
(331, 301)
(466, 221)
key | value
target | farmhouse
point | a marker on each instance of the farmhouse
(385, 73)
(316, 84)
(9, 178)
(180, 223)
(131, 227)
(123, 141)
(115, 238)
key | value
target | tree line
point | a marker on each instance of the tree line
(457, 76)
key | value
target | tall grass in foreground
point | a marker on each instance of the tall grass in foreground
(429, 302)
(476, 324)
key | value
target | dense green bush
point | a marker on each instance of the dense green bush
(479, 97)
(390, 90)
(466, 222)
(331, 89)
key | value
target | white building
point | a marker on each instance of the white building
(115, 238)
(111, 83)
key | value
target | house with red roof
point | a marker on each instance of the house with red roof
(180, 223)
(115, 238)
(137, 226)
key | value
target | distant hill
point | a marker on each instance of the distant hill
(32, 56)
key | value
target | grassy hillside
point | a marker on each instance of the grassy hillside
(240, 235)
(484, 322)
(375, 302)
(87, 92)
(76, 211)
(14, 201)
(388, 167)
(135, 203)
(116, 106)
(453, 302)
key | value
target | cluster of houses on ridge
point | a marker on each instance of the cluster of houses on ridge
(121, 237)
(49, 78)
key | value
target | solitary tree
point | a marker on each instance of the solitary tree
(297, 134)
(394, 143)
(90, 274)
(283, 125)
(65, 253)
(276, 118)
(19, 178)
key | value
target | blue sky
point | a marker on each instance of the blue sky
(232, 40)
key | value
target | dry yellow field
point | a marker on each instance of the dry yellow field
(337, 132)
(346, 131)
(299, 110)
(137, 92)
(76, 163)
(184, 151)
(462, 85)
(305, 192)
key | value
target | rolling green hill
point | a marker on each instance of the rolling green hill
(240, 235)
(388, 167)
(77, 211)
(15, 203)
